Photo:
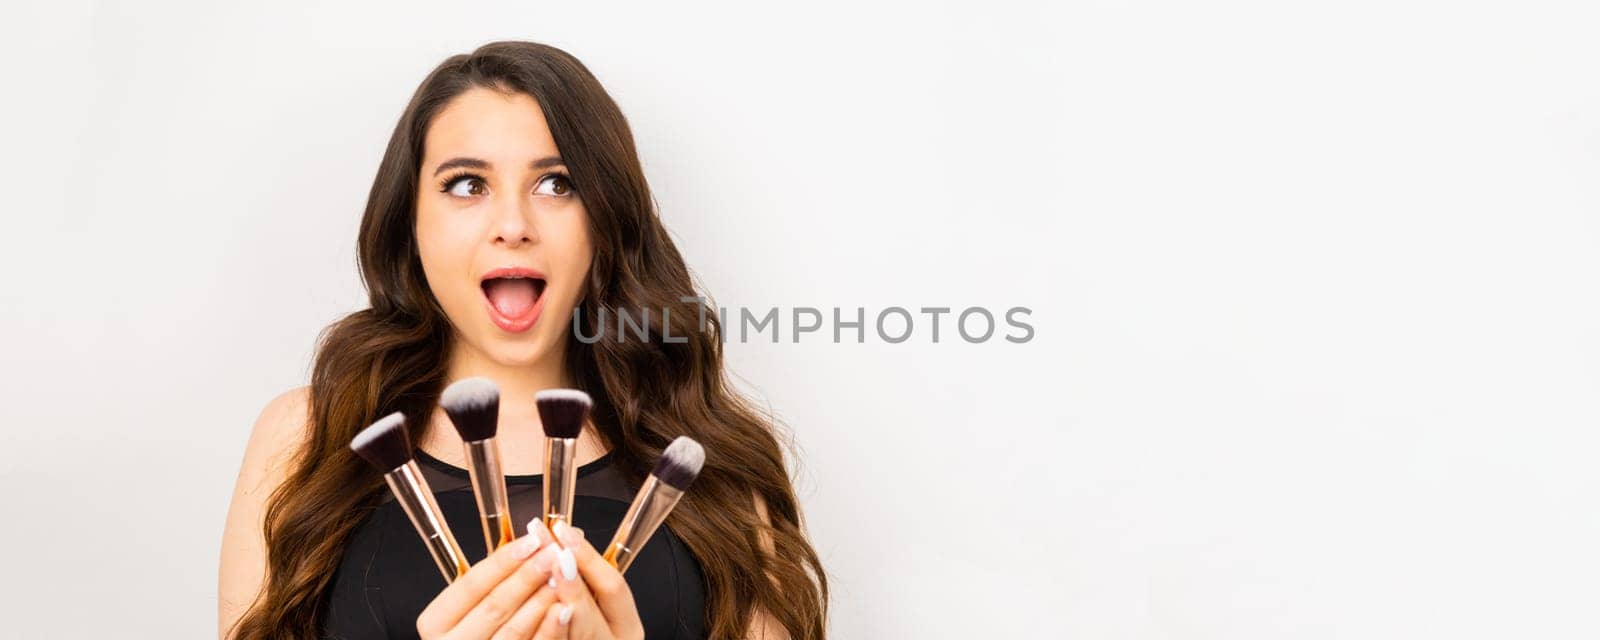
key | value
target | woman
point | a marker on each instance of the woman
(515, 157)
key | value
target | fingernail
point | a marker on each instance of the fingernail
(566, 614)
(525, 547)
(569, 535)
(533, 529)
(543, 560)
(569, 564)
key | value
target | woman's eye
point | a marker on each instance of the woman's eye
(466, 187)
(554, 185)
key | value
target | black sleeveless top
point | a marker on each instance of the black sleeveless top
(387, 578)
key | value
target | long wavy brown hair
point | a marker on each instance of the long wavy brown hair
(392, 357)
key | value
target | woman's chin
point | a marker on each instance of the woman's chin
(515, 355)
(521, 350)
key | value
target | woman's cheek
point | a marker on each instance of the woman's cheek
(452, 293)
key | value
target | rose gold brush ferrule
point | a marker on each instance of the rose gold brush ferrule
(560, 479)
(489, 487)
(645, 515)
(416, 498)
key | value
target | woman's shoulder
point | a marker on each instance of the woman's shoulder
(289, 404)
(279, 430)
(282, 423)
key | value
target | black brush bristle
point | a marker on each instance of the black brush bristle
(385, 443)
(680, 464)
(562, 411)
(473, 405)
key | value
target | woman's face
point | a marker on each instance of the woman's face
(503, 237)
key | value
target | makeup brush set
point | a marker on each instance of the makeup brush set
(473, 405)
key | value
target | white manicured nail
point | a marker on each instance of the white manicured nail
(569, 564)
(533, 529)
(525, 547)
(566, 614)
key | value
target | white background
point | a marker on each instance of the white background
(1314, 290)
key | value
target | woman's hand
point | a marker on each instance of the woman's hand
(595, 602)
(505, 595)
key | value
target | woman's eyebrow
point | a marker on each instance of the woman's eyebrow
(470, 163)
(474, 163)
(548, 161)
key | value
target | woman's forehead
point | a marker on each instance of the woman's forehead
(501, 128)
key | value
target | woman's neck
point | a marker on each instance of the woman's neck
(520, 435)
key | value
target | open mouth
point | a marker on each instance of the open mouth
(513, 297)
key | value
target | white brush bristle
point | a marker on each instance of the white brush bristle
(470, 393)
(686, 453)
(383, 427)
(564, 394)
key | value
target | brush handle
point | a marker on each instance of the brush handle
(414, 496)
(560, 479)
(649, 509)
(489, 489)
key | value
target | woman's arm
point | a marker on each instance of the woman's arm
(277, 432)
(762, 625)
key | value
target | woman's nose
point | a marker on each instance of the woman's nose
(514, 223)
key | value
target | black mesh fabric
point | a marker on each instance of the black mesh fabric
(386, 577)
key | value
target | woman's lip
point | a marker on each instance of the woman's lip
(518, 324)
(525, 321)
(511, 272)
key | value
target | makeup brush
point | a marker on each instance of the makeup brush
(562, 412)
(473, 405)
(678, 466)
(386, 445)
